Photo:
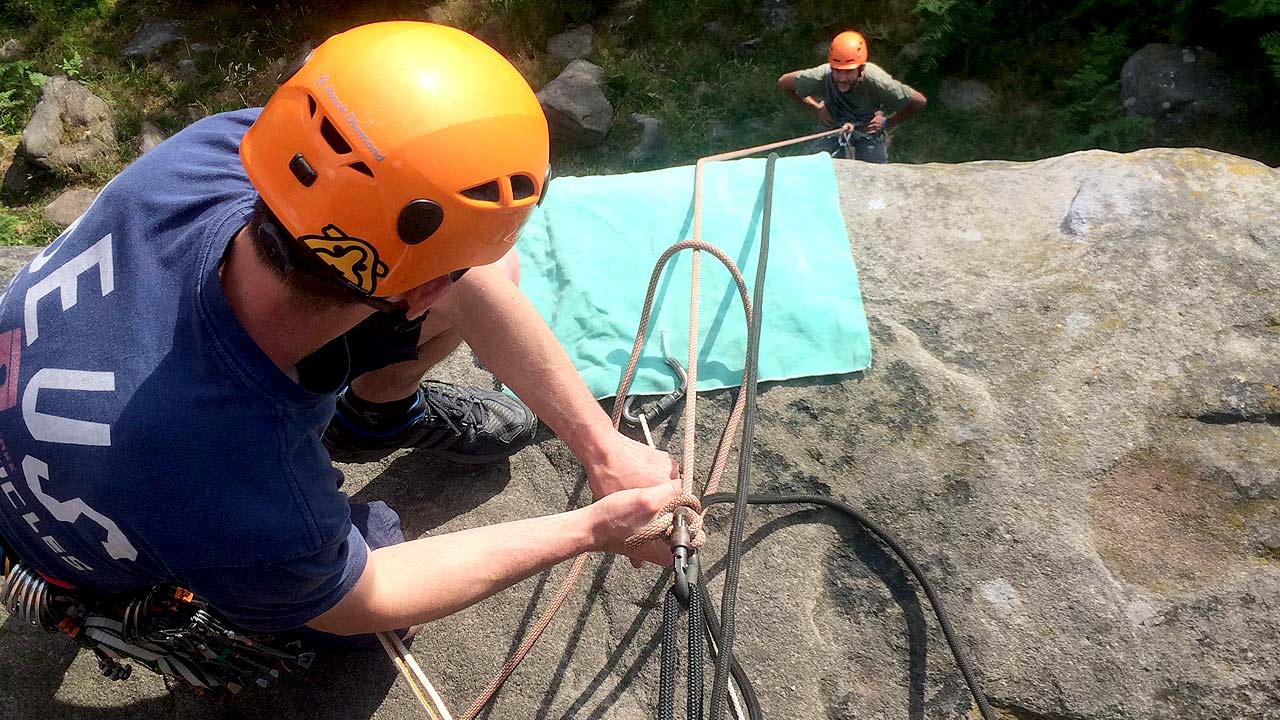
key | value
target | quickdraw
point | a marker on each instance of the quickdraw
(166, 629)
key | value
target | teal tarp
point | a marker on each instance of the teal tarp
(587, 254)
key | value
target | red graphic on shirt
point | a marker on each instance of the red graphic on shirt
(10, 351)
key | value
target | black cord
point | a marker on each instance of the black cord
(962, 662)
(696, 655)
(720, 685)
(670, 658)
(723, 636)
(745, 688)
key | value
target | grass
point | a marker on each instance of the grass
(659, 59)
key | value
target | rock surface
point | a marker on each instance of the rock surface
(578, 112)
(653, 138)
(69, 205)
(149, 136)
(570, 45)
(12, 49)
(776, 15)
(1072, 421)
(70, 129)
(152, 37)
(964, 94)
(1179, 87)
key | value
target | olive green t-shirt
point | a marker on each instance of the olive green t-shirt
(876, 91)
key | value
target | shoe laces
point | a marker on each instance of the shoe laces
(450, 408)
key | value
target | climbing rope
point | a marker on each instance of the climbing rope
(430, 700)
(663, 525)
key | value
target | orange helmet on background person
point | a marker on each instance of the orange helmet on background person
(399, 152)
(848, 51)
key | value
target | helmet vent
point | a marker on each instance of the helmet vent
(311, 106)
(361, 167)
(486, 192)
(522, 187)
(333, 137)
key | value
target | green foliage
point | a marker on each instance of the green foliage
(949, 27)
(1271, 46)
(25, 226)
(1250, 9)
(73, 65)
(1254, 10)
(1094, 92)
(536, 20)
(9, 225)
(54, 13)
(19, 90)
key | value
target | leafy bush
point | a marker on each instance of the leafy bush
(1271, 46)
(19, 90)
(1094, 94)
(9, 224)
(1255, 10)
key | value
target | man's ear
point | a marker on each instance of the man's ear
(419, 299)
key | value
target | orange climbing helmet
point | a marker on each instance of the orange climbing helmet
(399, 152)
(848, 51)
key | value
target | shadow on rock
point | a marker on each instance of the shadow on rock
(427, 491)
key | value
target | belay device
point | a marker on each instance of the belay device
(166, 629)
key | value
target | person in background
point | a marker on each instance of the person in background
(848, 89)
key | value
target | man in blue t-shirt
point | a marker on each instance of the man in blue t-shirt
(250, 299)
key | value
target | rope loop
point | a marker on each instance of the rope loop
(663, 525)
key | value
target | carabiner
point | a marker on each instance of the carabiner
(686, 566)
(659, 409)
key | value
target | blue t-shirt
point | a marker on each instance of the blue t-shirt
(144, 436)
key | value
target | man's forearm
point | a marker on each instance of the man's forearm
(914, 105)
(513, 341)
(429, 578)
(787, 83)
(432, 577)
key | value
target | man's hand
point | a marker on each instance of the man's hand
(824, 115)
(630, 464)
(874, 125)
(622, 514)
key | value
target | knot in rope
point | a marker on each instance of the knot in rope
(662, 526)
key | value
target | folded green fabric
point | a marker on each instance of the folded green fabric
(587, 254)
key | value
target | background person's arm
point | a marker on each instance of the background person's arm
(915, 103)
(787, 83)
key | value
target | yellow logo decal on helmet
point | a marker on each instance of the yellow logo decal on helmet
(356, 259)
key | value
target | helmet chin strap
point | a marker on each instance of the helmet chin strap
(292, 260)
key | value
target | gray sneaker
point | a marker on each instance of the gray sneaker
(462, 424)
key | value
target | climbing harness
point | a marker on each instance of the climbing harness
(165, 628)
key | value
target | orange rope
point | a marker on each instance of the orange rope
(661, 525)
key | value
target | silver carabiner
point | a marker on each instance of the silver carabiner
(658, 409)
